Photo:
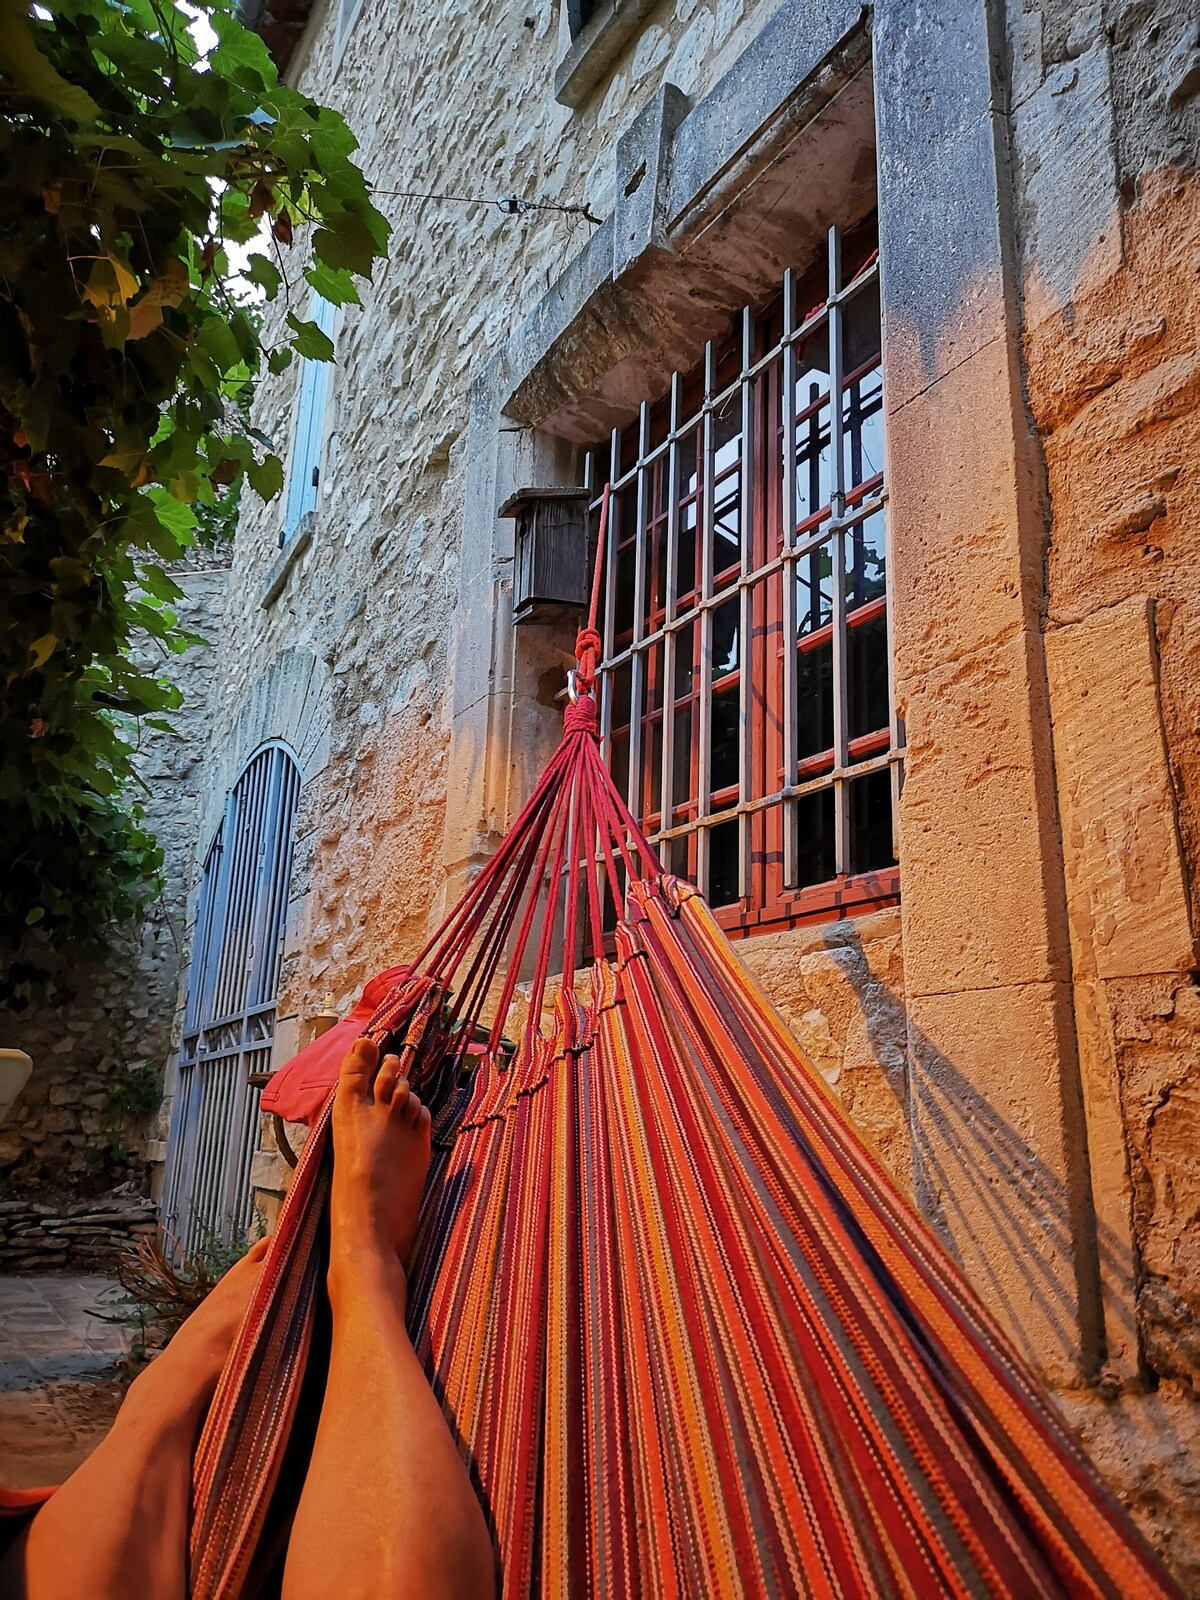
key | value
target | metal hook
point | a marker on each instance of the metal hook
(573, 685)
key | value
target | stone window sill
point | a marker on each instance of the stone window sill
(588, 58)
(286, 560)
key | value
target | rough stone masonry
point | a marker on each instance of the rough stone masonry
(1018, 1040)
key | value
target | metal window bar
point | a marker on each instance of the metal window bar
(798, 541)
(837, 505)
(230, 1012)
(746, 655)
(670, 602)
(787, 540)
(702, 732)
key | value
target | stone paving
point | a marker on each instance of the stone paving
(58, 1391)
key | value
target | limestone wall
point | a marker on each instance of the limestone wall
(1106, 132)
(438, 103)
(1106, 136)
(98, 1052)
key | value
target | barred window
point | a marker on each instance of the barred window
(746, 696)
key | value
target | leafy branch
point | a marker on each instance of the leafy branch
(131, 163)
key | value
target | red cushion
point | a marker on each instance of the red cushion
(300, 1088)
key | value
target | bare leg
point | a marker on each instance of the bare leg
(118, 1527)
(387, 1509)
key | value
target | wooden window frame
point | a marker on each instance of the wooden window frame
(667, 473)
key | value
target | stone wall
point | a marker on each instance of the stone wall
(1017, 1042)
(840, 988)
(1106, 132)
(80, 1236)
(1106, 138)
(374, 594)
(98, 1055)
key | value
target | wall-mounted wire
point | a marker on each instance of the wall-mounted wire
(512, 205)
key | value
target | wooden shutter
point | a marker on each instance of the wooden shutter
(310, 426)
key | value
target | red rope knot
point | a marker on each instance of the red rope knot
(580, 717)
(587, 653)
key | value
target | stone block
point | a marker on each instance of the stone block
(1111, 1186)
(641, 200)
(1127, 902)
(1067, 181)
(939, 179)
(269, 1171)
(1000, 1161)
(977, 829)
(840, 989)
(965, 570)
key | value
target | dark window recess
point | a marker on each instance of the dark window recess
(746, 684)
(579, 14)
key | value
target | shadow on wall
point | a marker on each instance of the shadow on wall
(975, 1173)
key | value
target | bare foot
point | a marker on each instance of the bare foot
(381, 1152)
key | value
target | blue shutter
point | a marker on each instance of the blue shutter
(310, 426)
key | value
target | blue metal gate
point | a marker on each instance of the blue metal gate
(229, 1020)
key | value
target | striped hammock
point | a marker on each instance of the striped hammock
(689, 1337)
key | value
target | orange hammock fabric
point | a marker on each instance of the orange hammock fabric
(690, 1338)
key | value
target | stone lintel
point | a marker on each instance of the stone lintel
(286, 559)
(587, 58)
(779, 149)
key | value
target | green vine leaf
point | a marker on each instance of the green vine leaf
(266, 477)
(310, 341)
(128, 356)
(263, 271)
(31, 74)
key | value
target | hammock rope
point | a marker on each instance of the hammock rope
(691, 1340)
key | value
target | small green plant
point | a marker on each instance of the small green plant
(109, 1155)
(134, 1090)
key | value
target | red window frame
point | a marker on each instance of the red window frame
(659, 468)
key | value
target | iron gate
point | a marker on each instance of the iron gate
(229, 1020)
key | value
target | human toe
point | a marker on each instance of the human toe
(388, 1080)
(358, 1069)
